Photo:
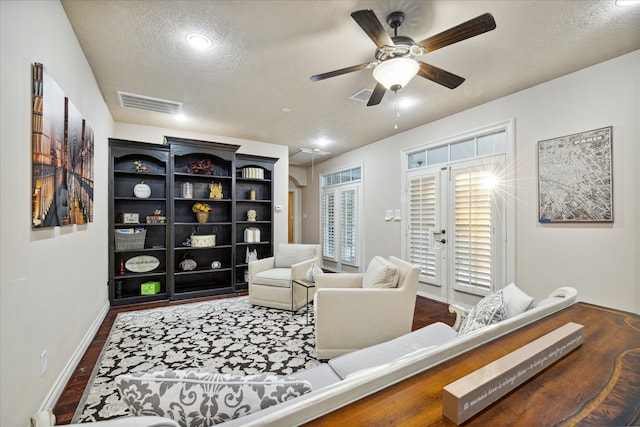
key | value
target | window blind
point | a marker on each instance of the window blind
(328, 225)
(348, 225)
(473, 242)
(422, 221)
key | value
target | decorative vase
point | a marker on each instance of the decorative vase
(252, 193)
(202, 217)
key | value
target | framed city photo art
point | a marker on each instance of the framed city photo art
(575, 182)
(62, 157)
(50, 204)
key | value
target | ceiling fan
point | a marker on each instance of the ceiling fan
(395, 63)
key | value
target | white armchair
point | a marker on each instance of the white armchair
(270, 279)
(358, 310)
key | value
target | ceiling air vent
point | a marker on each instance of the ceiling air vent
(362, 95)
(141, 102)
(305, 155)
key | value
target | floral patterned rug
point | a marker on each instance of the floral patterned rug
(221, 336)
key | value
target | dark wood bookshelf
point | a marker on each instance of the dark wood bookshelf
(166, 169)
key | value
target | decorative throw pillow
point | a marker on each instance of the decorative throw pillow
(515, 300)
(488, 311)
(313, 272)
(380, 274)
(200, 399)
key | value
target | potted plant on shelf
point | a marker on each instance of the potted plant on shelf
(202, 211)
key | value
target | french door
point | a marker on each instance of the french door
(456, 226)
(340, 222)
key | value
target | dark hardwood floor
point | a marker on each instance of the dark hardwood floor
(427, 311)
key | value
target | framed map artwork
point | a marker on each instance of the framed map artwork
(575, 182)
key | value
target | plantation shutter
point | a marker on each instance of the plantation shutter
(328, 225)
(422, 221)
(340, 216)
(473, 242)
(348, 225)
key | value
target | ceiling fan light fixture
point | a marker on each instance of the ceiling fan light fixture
(395, 73)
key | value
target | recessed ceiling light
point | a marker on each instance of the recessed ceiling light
(623, 3)
(180, 117)
(199, 41)
(322, 142)
(286, 109)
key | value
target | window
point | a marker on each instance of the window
(340, 216)
(417, 159)
(463, 150)
(342, 177)
(437, 155)
(483, 145)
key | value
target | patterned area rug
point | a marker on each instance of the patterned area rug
(221, 336)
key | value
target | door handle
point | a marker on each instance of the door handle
(442, 241)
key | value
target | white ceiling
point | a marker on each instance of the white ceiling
(265, 51)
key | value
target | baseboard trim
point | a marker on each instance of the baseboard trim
(60, 383)
(431, 296)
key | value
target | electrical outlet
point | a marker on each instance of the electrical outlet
(43, 363)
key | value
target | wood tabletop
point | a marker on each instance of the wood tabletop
(597, 384)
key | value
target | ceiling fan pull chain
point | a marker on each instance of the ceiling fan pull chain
(395, 126)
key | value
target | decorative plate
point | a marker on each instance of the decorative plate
(142, 263)
(142, 190)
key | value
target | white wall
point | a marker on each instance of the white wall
(52, 281)
(600, 260)
(299, 175)
(156, 135)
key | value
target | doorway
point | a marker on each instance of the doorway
(291, 207)
(294, 214)
(456, 228)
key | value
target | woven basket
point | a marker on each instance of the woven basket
(127, 242)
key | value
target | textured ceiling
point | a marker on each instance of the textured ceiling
(265, 51)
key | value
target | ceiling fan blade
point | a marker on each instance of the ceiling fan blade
(376, 96)
(439, 76)
(338, 72)
(471, 28)
(372, 26)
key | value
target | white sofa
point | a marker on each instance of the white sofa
(355, 375)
